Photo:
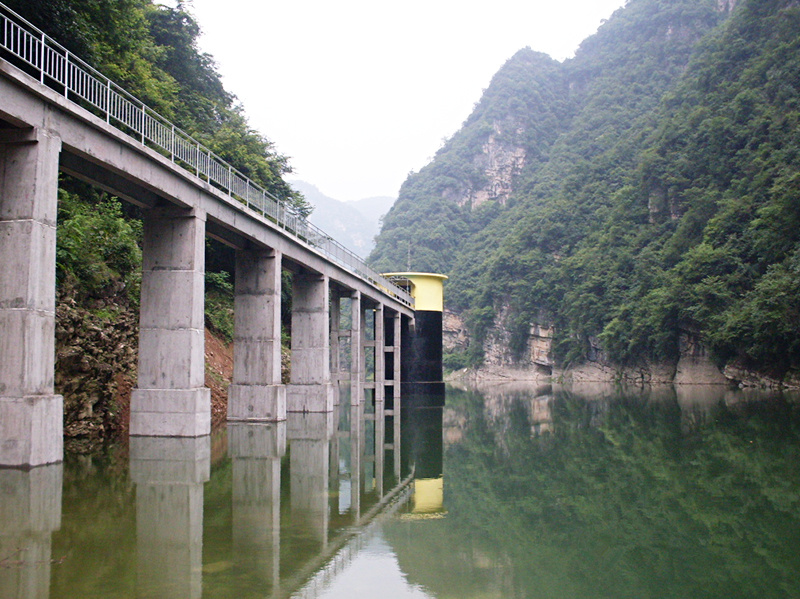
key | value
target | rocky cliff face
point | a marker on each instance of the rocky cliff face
(695, 366)
(500, 162)
(497, 164)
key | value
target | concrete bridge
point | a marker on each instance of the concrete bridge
(58, 114)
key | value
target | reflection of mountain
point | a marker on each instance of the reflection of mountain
(626, 495)
(353, 224)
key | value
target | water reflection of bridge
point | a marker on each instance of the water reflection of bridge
(300, 500)
(280, 545)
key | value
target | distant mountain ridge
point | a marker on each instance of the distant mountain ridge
(634, 210)
(353, 224)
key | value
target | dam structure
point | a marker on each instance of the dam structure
(59, 115)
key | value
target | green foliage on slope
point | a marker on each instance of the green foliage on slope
(98, 250)
(151, 51)
(665, 200)
(432, 216)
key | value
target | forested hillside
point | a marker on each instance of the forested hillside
(639, 201)
(150, 50)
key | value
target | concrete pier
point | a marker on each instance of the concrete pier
(335, 333)
(169, 475)
(356, 349)
(256, 393)
(391, 361)
(171, 398)
(380, 356)
(311, 389)
(337, 336)
(31, 414)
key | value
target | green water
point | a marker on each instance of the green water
(512, 493)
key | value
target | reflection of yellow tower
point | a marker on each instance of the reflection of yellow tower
(428, 496)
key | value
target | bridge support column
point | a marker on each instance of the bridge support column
(380, 356)
(310, 389)
(356, 350)
(171, 399)
(391, 353)
(257, 393)
(396, 407)
(336, 342)
(31, 414)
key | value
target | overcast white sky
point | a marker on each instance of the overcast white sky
(358, 93)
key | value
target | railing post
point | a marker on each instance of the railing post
(66, 74)
(108, 102)
(41, 58)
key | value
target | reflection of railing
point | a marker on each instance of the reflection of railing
(63, 72)
(342, 550)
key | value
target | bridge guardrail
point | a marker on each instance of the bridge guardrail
(81, 83)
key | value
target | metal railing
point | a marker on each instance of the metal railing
(62, 71)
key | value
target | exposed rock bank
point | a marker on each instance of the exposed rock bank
(695, 366)
(96, 365)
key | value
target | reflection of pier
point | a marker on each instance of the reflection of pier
(256, 451)
(336, 490)
(309, 438)
(422, 453)
(169, 474)
(30, 511)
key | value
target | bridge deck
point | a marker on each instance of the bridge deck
(113, 140)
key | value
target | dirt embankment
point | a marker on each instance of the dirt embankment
(96, 365)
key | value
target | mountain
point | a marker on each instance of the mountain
(632, 212)
(374, 208)
(353, 224)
